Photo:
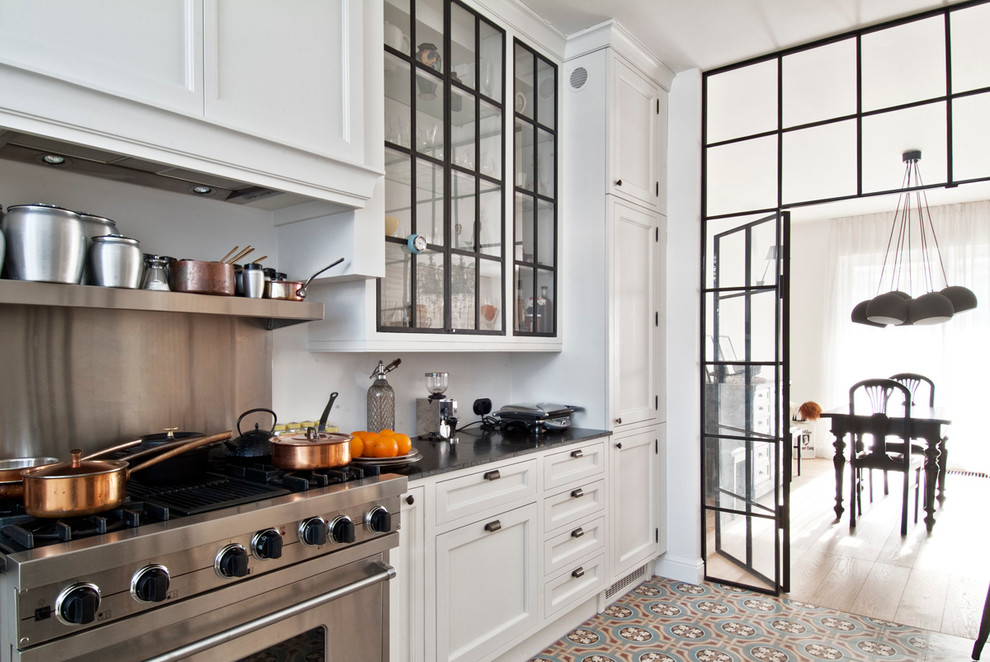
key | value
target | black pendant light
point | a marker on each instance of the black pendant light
(894, 306)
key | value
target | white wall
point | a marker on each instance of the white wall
(683, 499)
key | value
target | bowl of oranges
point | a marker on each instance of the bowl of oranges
(387, 447)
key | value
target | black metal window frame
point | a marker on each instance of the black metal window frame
(446, 164)
(535, 195)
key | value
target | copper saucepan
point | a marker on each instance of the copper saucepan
(294, 290)
(85, 487)
(311, 451)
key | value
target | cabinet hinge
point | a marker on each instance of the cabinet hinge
(656, 534)
(656, 402)
(656, 446)
(657, 231)
(656, 318)
(657, 184)
(658, 106)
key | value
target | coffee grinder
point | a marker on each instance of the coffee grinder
(435, 415)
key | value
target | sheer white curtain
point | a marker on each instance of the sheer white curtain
(956, 355)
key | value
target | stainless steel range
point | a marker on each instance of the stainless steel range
(258, 565)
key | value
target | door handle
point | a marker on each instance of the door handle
(577, 533)
(492, 475)
(577, 453)
(578, 573)
(493, 526)
(577, 494)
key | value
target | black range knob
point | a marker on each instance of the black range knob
(232, 561)
(78, 604)
(379, 520)
(150, 584)
(313, 531)
(267, 544)
(342, 530)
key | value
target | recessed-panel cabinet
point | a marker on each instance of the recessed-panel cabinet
(635, 503)
(636, 139)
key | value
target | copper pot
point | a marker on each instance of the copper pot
(11, 468)
(200, 277)
(85, 487)
(311, 451)
(293, 290)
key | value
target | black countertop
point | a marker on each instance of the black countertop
(475, 446)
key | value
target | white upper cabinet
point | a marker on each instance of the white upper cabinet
(271, 94)
(635, 156)
(145, 51)
(282, 72)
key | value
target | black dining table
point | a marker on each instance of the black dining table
(924, 424)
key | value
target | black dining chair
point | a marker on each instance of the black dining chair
(981, 637)
(914, 381)
(869, 448)
(918, 385)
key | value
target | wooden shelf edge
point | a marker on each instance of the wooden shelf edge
(281, 313)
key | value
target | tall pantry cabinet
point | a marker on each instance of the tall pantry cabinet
(614, 111)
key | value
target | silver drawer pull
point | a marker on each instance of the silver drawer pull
(578, 493)
(577, 453)
(577, 533)
(493, 526)
(492, 475)
(578, 573)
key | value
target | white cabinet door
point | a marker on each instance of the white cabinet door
(407, 592)
(487, 587)
(635, 136)
(634, 315)
(635, 499)
(146, 51)
(288, 71)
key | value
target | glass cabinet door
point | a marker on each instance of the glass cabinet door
(535, 213)
(444, 170)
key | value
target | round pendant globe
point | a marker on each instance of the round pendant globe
(888, 308)
(931, 308)
(859, 314)
(962, 298)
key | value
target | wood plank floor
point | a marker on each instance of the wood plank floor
(935, 581)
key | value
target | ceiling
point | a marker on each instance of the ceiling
(706, 34)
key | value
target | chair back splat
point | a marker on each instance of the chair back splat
(914, 381)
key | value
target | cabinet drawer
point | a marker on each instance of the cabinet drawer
(573, 585)
(573, 464)
(586, 538)
(483, 491)
(572, 505)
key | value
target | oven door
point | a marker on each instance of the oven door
(332, 608)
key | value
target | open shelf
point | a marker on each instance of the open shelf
(278, 312)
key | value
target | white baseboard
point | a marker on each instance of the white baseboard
(691, 570)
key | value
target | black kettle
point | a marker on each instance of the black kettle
(253, 443)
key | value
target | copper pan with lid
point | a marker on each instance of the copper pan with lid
(83, 486)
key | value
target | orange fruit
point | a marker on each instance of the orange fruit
(383, 446)
(357, 445)
(387, 433)
(404, 443)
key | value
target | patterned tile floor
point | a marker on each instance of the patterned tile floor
(663, 620)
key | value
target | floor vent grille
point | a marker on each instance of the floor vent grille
(619, 587)
(974, 474)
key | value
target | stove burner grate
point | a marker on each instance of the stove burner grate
(211, 493)
(35, 532)
(300, 481)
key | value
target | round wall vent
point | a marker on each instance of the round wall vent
(578, 78)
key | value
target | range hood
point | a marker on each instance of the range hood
(45, 152)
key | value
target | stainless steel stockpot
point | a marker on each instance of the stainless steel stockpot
(44, 243)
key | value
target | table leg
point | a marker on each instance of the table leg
(839, 461)
(943, 463)
(931, 478)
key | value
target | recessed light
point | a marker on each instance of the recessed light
(54, 159)
(202, 190)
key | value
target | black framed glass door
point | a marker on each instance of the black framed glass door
(745, 451)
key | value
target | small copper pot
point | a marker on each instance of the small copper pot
(311, 451)
(200, 277)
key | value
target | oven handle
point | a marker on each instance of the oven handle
(387, 572)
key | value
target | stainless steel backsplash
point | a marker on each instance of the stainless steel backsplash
(90, 378)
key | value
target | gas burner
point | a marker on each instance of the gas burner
(298, 481)
(36, 532)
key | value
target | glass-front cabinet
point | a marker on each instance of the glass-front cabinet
(535, 212)
(445, 197)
